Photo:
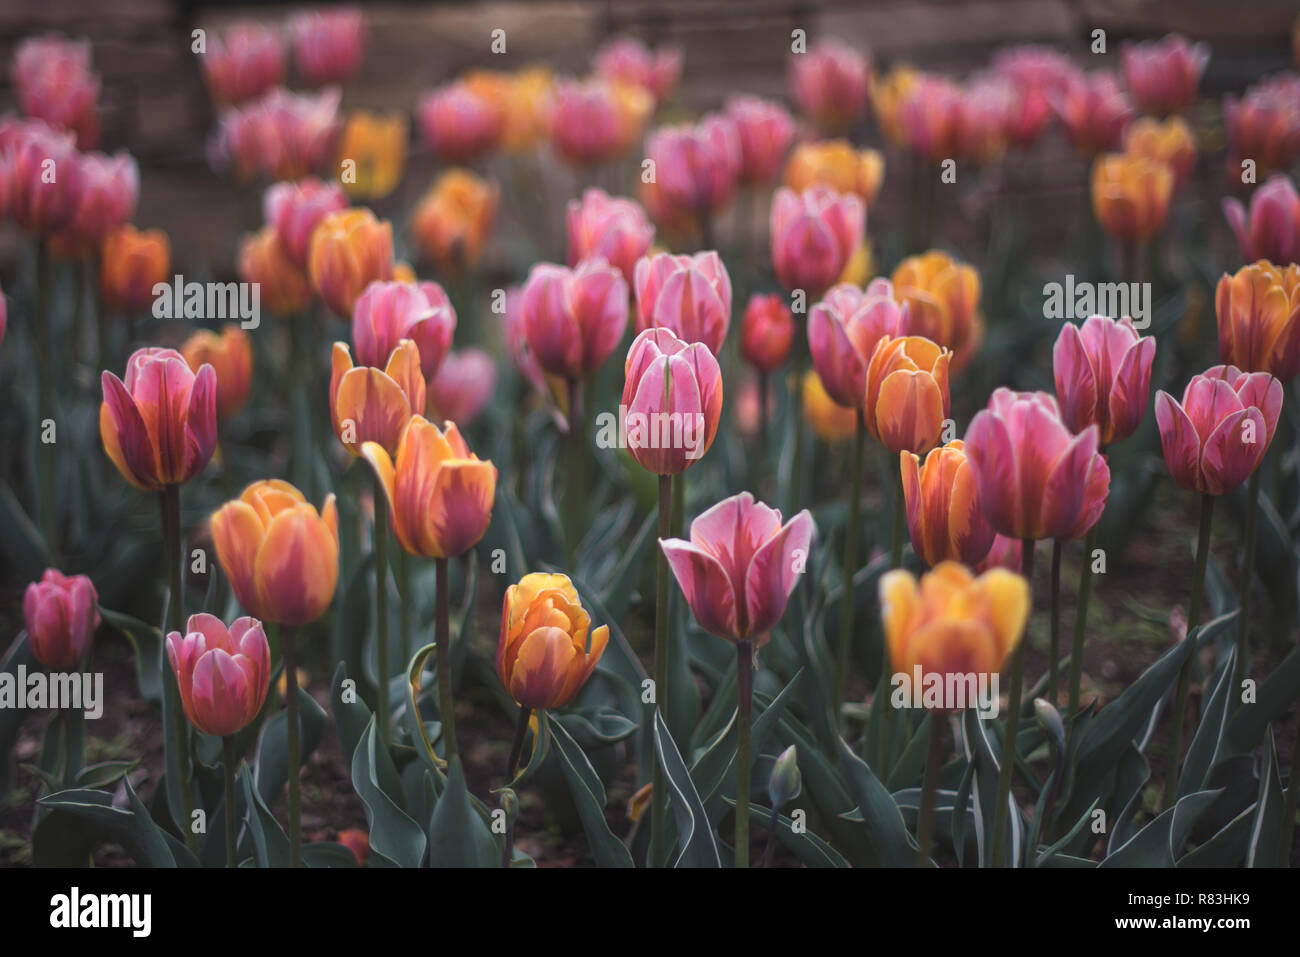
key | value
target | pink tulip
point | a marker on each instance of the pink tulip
(696, 167)
(831, 82)
(740, 566)
(458, 123)
(1103, 376)
(223, 674)
(930, 118)
(1035, 479)
(294, 209)
(843, 330)
(1040, 69)
(1004, 553)
(280, 135)
(1094, 111)
(388, 312)
(628, 60)
(586, 126)
(327, 44)
(55, 84)
(247, 61)
(614, 228)
(1217, 437)
(464, 384)
(1163, 75)
(1028, 109)
(1272, 229)
(524, 360)
(44, 177)
(766, 331)
(110, 189)
(61, 613)
(691, 295)
(765, 130)
(1264, 125)
(672, 401)
(574, 318)
(814, 236)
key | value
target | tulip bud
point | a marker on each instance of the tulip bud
(377, 145)
(1171, 142)
(243, 63)
(766, 332)
(370, 405)
(836, 165)
(56, 85)
(942, 296)
(61, 613)
(223, 675)
(1095, 111)
(465, 382)
(595, 121)
(627, 60)
(696, 168)
(830, 421)
(1049, 719)
(691, 295)
(388, 312)
(453, 220)
(830, 82)
(1163, 75)
(349, 250)
(110, 187)
(1103, 376)
(843, 331)
(281, 135)
(764, 130)
(263, 260)
(944, 517)
(458, 122)
(131, 264)
(1272, 229)
(785, 783)
(672, 401)
(231, 355)
(615, 229)
(573, 319)
(295, 209)
(1264, 125)
(358, 842)
(814, 236)
(327, 45)
(907, 394)
(1130, 196)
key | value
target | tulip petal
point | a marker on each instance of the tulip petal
(1233, 451)
(773, 572)
(1181, 444)
(237, 533)
(705, 585)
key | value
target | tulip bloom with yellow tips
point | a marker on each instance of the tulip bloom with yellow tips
(374, 405)
(377, 144)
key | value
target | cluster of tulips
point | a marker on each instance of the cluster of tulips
(854, 355)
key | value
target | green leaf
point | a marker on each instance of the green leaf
(273, 754)
(807, 846)
(1160, 842)
(457, 836)
(414, 721)
(884, 821)
(270, 845)
(1273, 696)
(147, 641)
(1266, 830)
(327, 854)
(1205, 742)
(589, 798)
(394, 837)
(694, 834)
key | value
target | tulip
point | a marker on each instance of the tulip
(670, 386)
(349, 250)
(629, 61)
(1272, 229)
(696, 168)
(44, 178)
(61, 613)
(230, 354)
(992, 111)
(159, 426)
(1163, 75)
(615, 229)
(1094, 111)
(690, 295)
(132, 262)
(764, 130)
(830, 82)
(1171, 142)
(907, 393)
(377, 146)
(295, 209)
(1035, 67)
(244, 63)
(388, 312)
(766, 332)
(1264, 126)
(106, 200)
(888, 94)
(465, 383)
(327, 44)
(814, 236)
(1259, 319)
(1035, 479)
(526, 107)
(452, 221)
(944, 517)
(458, 122)
(282, 285)
(56, 85)
(1103, 376)
(358, 842)
(517, 342)
(280, 135)
(223, 673)
(830, 421)
(574, 318)
(836, 165)
(942, 296)
(843, 330)
(593, 122)
(1130, 196)
(368, 404)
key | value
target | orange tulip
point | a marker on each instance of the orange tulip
(837, 165)
(907, 393)
(545, 654)
(943, 507)
(285, 288)
(439, 493)
(830, 421)
(280, 555)
(377, 145)
(888, 94)
(231, 355)
(942, 296)
(1259, 319)
(1171, 142)
(132, 262)
(349, 250)
(452, 222)
(1130, 195)
(374, 405)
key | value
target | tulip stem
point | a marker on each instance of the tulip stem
(45, 408)
(446, 703)
(1247, 579)
(1290, 804)
(764, 387)
(170, 500)
(517, 747)
(744, 705)
(404, 603)
(1007, 760)
(1185, 675)
(929, 790)
(1080, 623)
(381, 604)
(850, 561)
(1054, 650)
(290, 650)
(796, 407)
(228, 769)
(900, 512)
(658, 794)
(575, 486)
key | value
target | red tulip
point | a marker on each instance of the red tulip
(223, 674)
(1094, 111)
(55, 84)
(765, 130)
(672, 401)
(766, 332)
(574, 318)
(696, 167)
(691, 295)
(1218, 435)
(613, 228)
(628, 60)
(843, 330)
(458, 122)
(1272, 229)
(831, 82)
(388, 312)
(1103, 376)
(465, 382)
(247, 61)
(44, 177)
(296, 208)
(327, 44)
(740, 565)
(1035, 479)
(61, 613)
(814, 236)
(1163, 75)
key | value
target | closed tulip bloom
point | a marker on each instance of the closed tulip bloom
(159, 426)
(1095, 111)
(327, 44)
(595, 121)
(830, 421)
(627, 60)
(672, 394)
(1163, 75)
(464, 384)
(527, 108)
(295, 209)
(739, 566)
(836, 165)
(439, 493)
(244, 62)
(1103, 376)
(223, 674)
(280, 556)
(1130, 196)
(766, 332)
(951, 622)
(942, 296)
(843, 330)
(930, 118)
(944, 517)
(55, 84)
(907, 393)
(44, 178)
(1035, 66)
(230, 354)
(106, 200)
(691, 295)
(1218, 435)
(574, 318)
(1271, 229)
(132, 262)
(1035, 479)
(1171, 142)
(458, 122)
(814, 236)
(696, 167)
(765, 130)
(388, 312)
(60, 613)
(280, 135)
(1259, 319)
(613, 228)
(368, 404)
(547, 649)
(283, 285)
(1264, 125)
(452, 222)
(888, 94)
(349, 250)
(377, 145)
(831, 82)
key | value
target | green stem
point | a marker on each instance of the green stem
(404, 603)
(446, 701)
(1247, 580)
(850, 562)
(764, 388)
(1054, 650)
(744, 704)
(289, 646)
(1292, 801)
(1080, 622)
(1185, 675)
(228, 768)
(1007, 763)
(45, 408)
(679, 504)
(796, 459)
(929, 790)
(381, 604)
(575, 491)
(517, 746)
(170, 501)
(658, 794)
(900, 512)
